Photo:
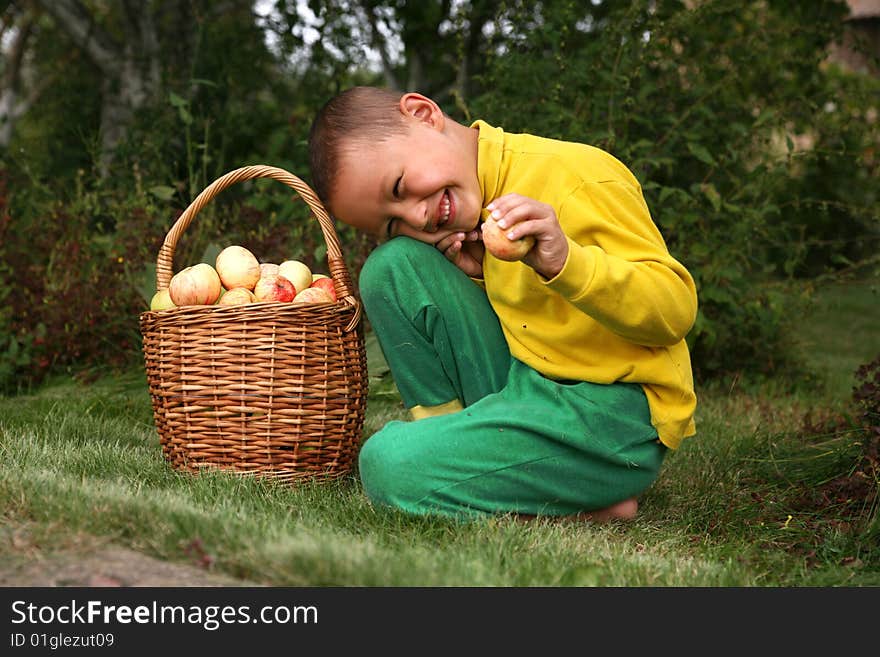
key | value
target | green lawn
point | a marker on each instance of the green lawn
(732, 507)
(842, 331)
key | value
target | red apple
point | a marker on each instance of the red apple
(237, 267)
(325, 284)
(314, 295)
(501, 247)
(274, 288)
(236, 297)
(198, 285)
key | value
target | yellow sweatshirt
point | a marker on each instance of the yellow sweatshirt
(621, 306)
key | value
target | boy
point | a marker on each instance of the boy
(549, 386)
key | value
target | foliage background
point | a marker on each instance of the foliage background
(756, 152)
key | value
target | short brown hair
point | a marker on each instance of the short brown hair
(357, 116)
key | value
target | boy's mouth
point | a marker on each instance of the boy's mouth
(444, 213)
(445, 209)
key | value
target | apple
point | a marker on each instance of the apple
(236, 297)
(500, 246)
(314, 295)
(325, 284)
(162, 301)
(297, 273)
(269, 269)
(274, 288)
(317, 276)
(197, 285)
(237, 267)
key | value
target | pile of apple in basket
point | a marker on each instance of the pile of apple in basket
(238, 278)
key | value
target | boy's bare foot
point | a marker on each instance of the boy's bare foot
(625, 510)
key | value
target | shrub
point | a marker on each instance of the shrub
(704, 106)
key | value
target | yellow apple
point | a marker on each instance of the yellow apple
(297, 273)
(198, 285)
(498, 244)
(162, 301)
(236, 297)
(237, 267)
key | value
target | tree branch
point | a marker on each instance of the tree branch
(15, 57)
(80, 25)
(377, 41)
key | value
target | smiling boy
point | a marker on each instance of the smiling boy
(551, 386)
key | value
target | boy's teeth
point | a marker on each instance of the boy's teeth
(444, 208)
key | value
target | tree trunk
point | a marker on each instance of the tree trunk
(12, 105)
(130, 67)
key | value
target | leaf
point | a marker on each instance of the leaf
(712, 194)
(210, 253)
(185, 115)
(763, 117)
(666, 192)
(163, 192)
(701, 153)
(145, 281)
(176, 101)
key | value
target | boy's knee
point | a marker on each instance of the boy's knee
(389, 475)
(399, 256)
(385, 260)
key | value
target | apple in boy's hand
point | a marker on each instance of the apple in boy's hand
(297, 273)
(274, 288)
(500, 246)
(236, 297)
(162, 300)
(314, 295)
(237, 267)
(198, 285)
(325, 284)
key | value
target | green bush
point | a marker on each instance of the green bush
(70, 299)
(703, 105)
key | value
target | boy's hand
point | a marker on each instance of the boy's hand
(519, 216)
(465, 251)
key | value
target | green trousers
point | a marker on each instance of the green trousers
(523, 443)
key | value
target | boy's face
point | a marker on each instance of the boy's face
(421, 183)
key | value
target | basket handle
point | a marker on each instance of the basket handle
(338, 270)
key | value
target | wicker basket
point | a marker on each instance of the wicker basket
(268, 388)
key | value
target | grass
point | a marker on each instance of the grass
(728, 509)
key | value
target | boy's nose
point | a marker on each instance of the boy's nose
(417, 215)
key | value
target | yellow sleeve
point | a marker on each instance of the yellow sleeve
(619, 270)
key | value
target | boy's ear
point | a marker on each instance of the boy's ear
(422, 109)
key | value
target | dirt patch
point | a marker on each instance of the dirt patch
(89, 562)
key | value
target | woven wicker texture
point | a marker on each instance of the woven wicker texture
(269, 389)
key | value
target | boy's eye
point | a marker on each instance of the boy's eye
(396, 190)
